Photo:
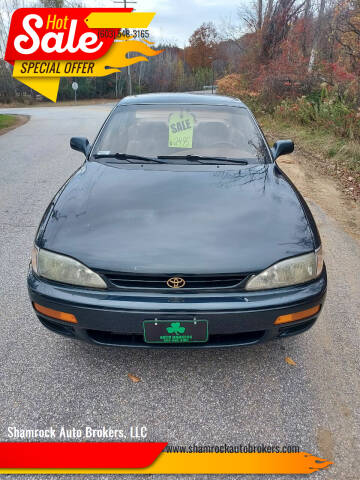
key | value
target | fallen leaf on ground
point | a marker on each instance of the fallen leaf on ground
(290, 361)
(134, 378)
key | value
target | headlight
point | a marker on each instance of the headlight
(64, 269)
(291, 271)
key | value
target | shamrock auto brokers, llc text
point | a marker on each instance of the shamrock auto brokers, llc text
(66, 433)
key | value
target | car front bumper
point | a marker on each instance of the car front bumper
(116, 317)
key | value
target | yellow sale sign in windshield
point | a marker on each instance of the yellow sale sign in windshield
(181, 128)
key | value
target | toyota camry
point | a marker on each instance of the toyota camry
(179, 230)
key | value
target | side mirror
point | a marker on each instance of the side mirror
(81, 144)
(282, 147)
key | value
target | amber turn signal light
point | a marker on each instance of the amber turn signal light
(49, 312)
(291, 317)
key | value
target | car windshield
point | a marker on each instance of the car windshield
(181, 133)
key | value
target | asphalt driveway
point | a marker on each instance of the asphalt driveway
(205, 397)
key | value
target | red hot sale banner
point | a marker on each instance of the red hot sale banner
(45, 44)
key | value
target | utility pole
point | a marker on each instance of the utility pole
(212, 83)
(212, 67)
(125, 2)
(129, 79)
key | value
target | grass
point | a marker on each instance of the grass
(30, 103)
(324, 151)
(333, 152)
(7, 121)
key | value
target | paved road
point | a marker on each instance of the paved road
(204, 397)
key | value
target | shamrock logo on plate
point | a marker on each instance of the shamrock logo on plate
(175, 328)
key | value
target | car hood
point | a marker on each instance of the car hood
(178, 219)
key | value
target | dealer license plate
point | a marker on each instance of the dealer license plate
(175, 331)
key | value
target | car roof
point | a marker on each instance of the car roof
(181, 98)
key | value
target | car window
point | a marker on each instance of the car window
(168, 130)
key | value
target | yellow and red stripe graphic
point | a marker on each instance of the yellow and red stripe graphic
(145, 457)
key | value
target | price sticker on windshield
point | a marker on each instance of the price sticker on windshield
(181, 129)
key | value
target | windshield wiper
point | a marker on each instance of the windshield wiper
(198, 158)
(126, 156)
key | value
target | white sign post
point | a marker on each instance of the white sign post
(75, 86)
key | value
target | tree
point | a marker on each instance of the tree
(202, 47)
(347, 15)
(52, 3)
(317, 35)
(259, 14)
(275, 29)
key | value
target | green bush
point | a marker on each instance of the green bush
(322, 109)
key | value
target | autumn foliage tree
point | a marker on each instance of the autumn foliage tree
(347, 15)
(300, 62)
(202, 46)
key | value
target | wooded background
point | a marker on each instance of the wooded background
(298, 60)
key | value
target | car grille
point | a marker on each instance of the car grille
(158, 282)
(137, 340)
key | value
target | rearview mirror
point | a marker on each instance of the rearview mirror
(282, 147)
(81, 144)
